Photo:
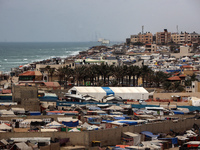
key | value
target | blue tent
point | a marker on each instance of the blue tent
(119, 118)
(149, 134)
(128, 122)
(94, 108)
(177, 112)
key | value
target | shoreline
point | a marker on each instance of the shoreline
(72, 56)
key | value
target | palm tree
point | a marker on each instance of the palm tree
(104, 72)
(138, 74)
(176, 86)
(50, 71)
(61, 73)
(167, 85)
(117, 73)
(79, 74)
(144, 72)
(160, 77)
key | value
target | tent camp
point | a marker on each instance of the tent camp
(100, 92)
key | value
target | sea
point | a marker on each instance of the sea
(13, 55)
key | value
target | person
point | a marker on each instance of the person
(168, 103)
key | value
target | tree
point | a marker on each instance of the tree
(160, 77)
(176, 86)
(144, 72)
(167, 85)
(50, 71)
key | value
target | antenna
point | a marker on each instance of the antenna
(177, 28)
(142, 29)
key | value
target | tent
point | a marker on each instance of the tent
(100, 92)
(49, 130)
(149, 134)
(194, 101)
(3, 126)
(74, 130)
(113, 107)
(136, 137)
(54, 124)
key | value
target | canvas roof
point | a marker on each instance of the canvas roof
(23, 146)
(4, 142)
(114, 108)
(32, 120)
(54, 123)
(49, 130)
(3, 126)
(66, 119)
(124, 92)
(130, 134)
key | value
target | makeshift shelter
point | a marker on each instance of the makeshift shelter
(113, 107)
(49, 130)
(3, 126)
(5, 113)
(100, 92)
(149, 135)
(21, 146)
(54, 124)
(131, 138)
(194, 101)
(18, 110)
(74, 130)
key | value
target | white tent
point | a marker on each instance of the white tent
(114, 108)
(100, 92)
(3, 126)
(54, 124)
(49, 130)
(194, 101)
(74, 130)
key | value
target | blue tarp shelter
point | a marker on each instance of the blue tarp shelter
(70, 123)
(177, 112)
(149, 134)
(128, 122)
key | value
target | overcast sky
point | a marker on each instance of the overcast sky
(88, 20)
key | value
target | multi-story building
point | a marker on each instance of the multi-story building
(195, 37)
(175, 37)
(166, 37)
(185, 38)
(134, 38)
(163, 37)
(145, 38)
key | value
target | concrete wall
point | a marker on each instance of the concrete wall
(169, 95)
(108, 136)
(23, 92)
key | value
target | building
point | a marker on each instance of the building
(151, 48)
(175, 38)
(30, 76)
(100, 92)
(163, 37)
(145, 38)
(187, 70)
(134, 38)
(27, 97)
(186, 38)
